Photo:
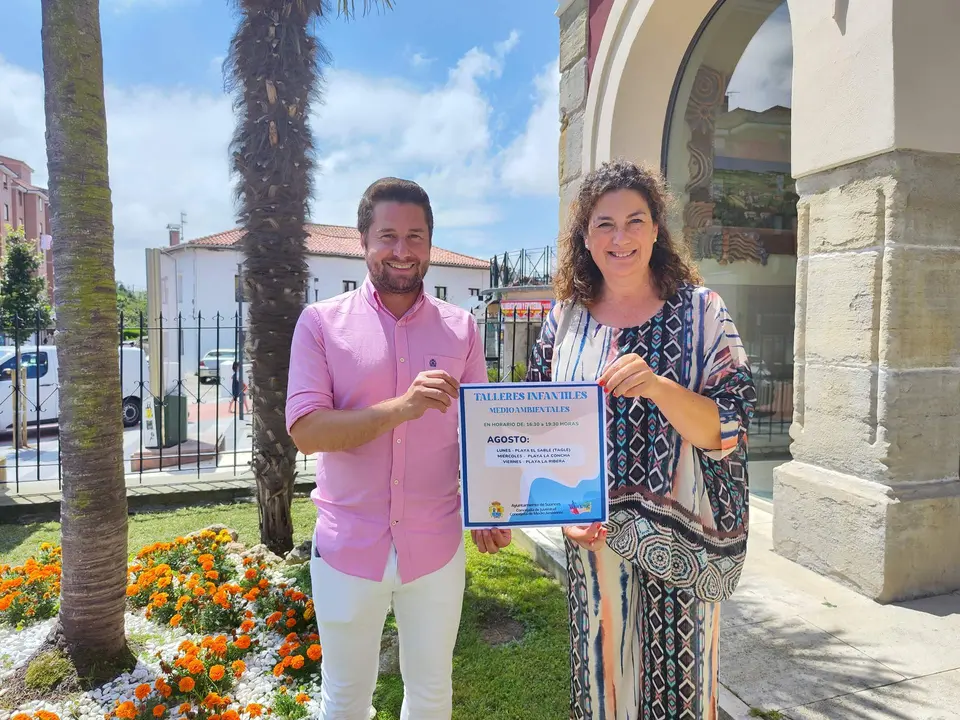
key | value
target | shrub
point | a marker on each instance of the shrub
(31, 592)
(191, 583)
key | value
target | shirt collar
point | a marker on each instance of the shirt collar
(372, 296)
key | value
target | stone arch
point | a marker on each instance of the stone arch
(643, 49)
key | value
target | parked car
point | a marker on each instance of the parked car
(211, 363)
(42, 391)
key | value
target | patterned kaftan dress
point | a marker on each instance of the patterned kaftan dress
(645, 608)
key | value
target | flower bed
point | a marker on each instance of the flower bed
(222, 636)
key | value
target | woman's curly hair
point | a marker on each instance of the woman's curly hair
(578, 278)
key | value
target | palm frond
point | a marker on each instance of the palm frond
(348, 8)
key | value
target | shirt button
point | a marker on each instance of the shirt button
(395, 522)
(402, 360)
(398, 441)
(396, 482)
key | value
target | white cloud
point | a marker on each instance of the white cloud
(764, 74)
(169, 150)
(505, 46)
(419, 60)
(530, 162)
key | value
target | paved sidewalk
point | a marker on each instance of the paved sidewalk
(796, 642)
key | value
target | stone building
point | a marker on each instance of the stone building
(835, 240)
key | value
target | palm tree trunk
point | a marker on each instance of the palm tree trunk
(94, 505)
(274, 68)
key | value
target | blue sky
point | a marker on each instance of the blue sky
(458, 97)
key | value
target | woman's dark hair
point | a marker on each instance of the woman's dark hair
(578, 278)
(391, 189)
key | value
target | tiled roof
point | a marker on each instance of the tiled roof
(339, 241)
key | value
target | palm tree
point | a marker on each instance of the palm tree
(93, 511)
(275, 70)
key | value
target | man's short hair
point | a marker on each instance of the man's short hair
(391, 189)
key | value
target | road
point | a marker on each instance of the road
(208, 416)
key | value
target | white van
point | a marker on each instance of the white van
(42, 389)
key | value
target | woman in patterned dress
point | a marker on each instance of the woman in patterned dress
(645, 589)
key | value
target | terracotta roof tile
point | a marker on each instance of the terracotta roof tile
(340, 241)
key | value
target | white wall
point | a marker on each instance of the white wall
(199, 283)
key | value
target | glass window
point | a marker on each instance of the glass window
(474, 292)
(349, 285)
(35, 364)
(441, 292)
(728, 162)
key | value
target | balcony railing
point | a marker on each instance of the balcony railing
(523, 268)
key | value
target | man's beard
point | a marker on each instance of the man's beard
(383, 281)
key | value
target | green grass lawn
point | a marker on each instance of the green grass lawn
(523, 680)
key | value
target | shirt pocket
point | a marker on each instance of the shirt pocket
(453, 366)
(440, 427)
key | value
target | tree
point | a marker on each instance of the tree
(275, 70)
(132, 303)
(93, 511)
(23, 292)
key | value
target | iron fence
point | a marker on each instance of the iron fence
(208, 432)
(191, 426)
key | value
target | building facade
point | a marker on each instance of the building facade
(835, 240)
(24, 205)
(200, 280)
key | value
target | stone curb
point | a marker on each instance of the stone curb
(552, 559)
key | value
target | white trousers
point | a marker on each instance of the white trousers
(351, 612)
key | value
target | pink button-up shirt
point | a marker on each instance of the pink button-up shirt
(350, 353)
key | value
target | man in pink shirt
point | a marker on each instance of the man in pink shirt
(374, 378)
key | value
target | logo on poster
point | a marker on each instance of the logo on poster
(496, 510)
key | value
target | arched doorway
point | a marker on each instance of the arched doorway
(726, 155)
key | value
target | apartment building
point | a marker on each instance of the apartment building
(24, 205)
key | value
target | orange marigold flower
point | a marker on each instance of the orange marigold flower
(160, 682)
(314, 652)
(217, 672)
(211, 700)
(132, 590)
(159, 711)
(212, 575)
(246, 626)
(176, 620)
(142, 691)
(127, 710)
(166, 691)
(21, 716)
(292, 622)
(196, 667)
(187, 646)
(254, 710)
(291, 613)
(302, 698)
(274, 618)
(278, 670)
(239, 667)
(46, 715)
(250, 574)
(230, 715)
(296, 662)
(242, 642)
(185, 708)
(186, 685)
(292, 637)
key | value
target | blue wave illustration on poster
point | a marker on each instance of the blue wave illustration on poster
(582, 502)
